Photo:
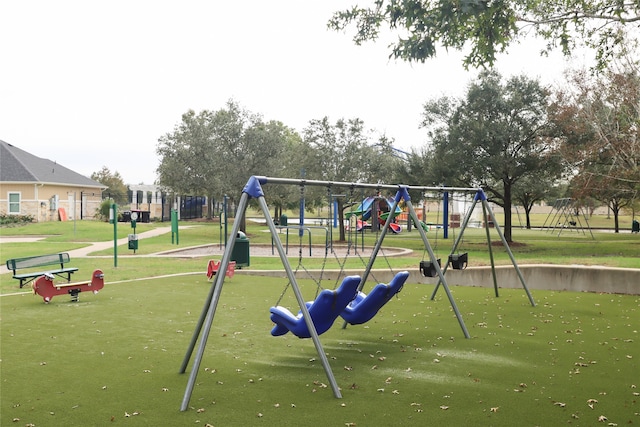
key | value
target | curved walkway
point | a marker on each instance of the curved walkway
(579, 278)
(85, 251)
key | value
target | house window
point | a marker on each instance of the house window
(14, 203)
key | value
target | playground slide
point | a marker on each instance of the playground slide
(395, 228)
(364, 209)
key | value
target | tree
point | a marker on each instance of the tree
(116, 189)
(598, 121)
(343, 151)
(532, 189)
(215, 152)
(494, 137)
(483, 29)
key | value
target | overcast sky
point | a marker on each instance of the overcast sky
(96, 83)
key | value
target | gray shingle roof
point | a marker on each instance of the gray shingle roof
(17, 165)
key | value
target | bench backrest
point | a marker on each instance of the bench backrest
(37, 261)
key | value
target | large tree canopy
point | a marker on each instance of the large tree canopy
(346, 151)
(484, 28)
(215, 152)
(597, 118)
(494, 137)
(116, 189)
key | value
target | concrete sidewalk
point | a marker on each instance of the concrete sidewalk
(97, 246)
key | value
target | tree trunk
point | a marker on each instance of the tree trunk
(277, 213)
(507, 212)
(210, 206)
(527, 214)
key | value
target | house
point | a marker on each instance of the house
(44, 189)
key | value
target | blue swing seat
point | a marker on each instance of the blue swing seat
(323, 310)
(364, 307)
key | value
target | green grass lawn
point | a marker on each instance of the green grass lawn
(114, 358)
(532, 246)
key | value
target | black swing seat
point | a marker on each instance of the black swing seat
(428, 269)
(459, 261)
(324, 310)
(364, 307)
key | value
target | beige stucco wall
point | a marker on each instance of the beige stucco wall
(35, 200)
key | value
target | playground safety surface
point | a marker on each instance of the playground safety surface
(317, 251)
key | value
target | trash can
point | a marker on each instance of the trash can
(284, 221)
(240, 253)
(635, 226)
(133, 241)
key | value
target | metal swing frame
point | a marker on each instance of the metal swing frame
(487, 213)
(253, 189)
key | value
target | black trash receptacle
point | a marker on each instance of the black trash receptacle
(635, 226)
(284, 221)
(240, 252)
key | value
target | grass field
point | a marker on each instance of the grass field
(113, 358)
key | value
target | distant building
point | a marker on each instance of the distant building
(44, 189)
(150, 198)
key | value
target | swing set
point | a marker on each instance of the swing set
(347, 301)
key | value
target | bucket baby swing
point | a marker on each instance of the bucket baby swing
(457, 260)
(348, 301)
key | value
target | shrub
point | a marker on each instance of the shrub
(15, 219)
(102, 213)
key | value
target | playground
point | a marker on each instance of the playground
(115, 356)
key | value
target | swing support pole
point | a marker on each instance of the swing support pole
(301, 302)
(506, 245)
(378, 245)
(490, 246)
(208, 311)
(487, 209)
(463, 227)
(434, 262)
(206, 318)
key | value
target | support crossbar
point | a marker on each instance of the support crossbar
(253, 189)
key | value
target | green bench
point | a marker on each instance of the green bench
(41, 261)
